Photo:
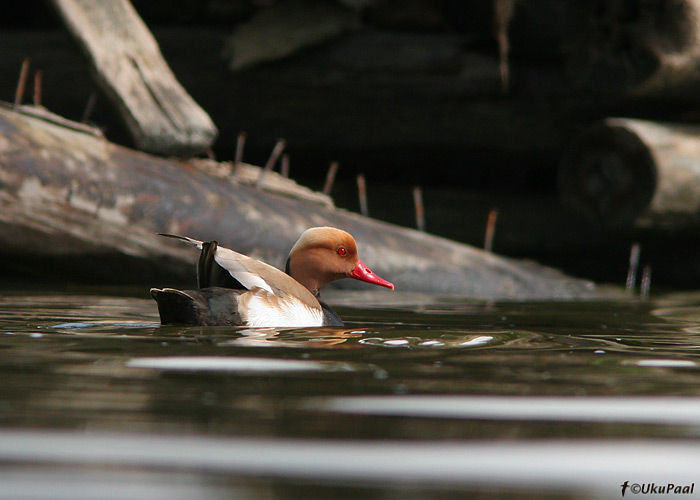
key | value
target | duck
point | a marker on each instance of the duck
(237, 290)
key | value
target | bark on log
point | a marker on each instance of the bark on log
(624, 172)
(128, 65)
(638, 47)
(71, 194)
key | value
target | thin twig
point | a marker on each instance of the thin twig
(490, 229)
(240, 145)
(635, 251)
(330, 178)
(420, 211)
(504, 10)
(38, 76)
(284, 166)
(21, 83)
(89, 107)
(646, 282)
(274, 156)
(362, 193)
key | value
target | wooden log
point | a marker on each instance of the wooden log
(636, 47)
(623, 172)
(70, 196)
(128, 65)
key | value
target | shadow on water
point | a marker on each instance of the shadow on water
(417, 397)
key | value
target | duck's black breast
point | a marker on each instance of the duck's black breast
(330, 317)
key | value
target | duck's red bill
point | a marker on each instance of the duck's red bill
(362, 273)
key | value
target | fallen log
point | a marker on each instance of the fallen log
(624, 172)
(128, 65)
(69, 195)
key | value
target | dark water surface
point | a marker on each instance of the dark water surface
(418, 397)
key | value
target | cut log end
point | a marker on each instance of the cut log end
(646, 48)
(608, 175)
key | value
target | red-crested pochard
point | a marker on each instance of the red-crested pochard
(237, 290)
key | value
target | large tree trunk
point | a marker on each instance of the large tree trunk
(624, 172)
(65, 193)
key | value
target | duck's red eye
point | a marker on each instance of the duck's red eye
(341, 251)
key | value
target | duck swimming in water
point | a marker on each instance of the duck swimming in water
(237, 290)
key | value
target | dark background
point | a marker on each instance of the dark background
(410, 96)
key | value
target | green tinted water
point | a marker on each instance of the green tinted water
(417, 397)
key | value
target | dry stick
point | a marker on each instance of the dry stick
(240, 144)
(646, 282)
(504, 10)
(420, 212)
(38, 76)
(490, 229)
(635, 250)
(21, 83)
(284, 166)
(330, 178)
(362, 193)
(276, 152)
(89, 107)
(209, 152)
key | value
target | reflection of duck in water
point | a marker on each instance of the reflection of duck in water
(311, 338)
(237, 290)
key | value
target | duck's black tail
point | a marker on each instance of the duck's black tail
(175, 306)
(209, 307)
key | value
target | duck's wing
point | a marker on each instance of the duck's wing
(223, 267)
(249, 272)
(252, 273)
